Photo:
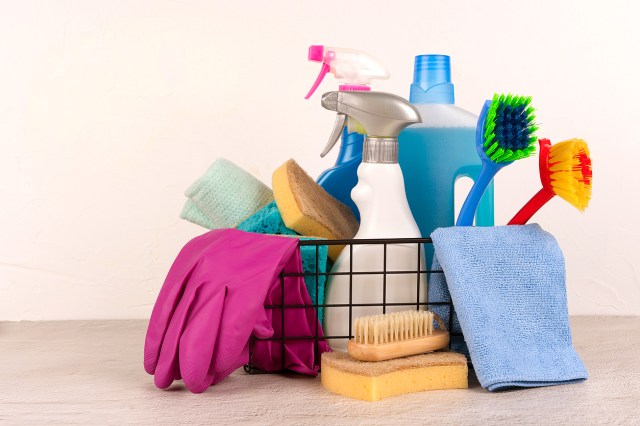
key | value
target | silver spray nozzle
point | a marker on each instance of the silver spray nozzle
(382, 115)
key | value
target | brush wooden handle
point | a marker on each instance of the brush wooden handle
(439, 339)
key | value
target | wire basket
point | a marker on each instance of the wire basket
(281, 308)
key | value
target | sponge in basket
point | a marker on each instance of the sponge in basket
(373, 381)
(308, 209)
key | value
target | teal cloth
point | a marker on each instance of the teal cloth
(269, 221)
(507, 284)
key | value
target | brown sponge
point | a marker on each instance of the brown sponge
(308, 209)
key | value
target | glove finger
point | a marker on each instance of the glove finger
(163, 310)
(198, 340)
(167, 366)
(169, 297)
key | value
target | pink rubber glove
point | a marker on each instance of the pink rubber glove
(300, 355)
(213, 300)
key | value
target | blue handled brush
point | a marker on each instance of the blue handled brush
(505, 133)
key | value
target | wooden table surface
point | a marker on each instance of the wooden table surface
(90, 372)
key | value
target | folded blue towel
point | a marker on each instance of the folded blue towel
(507, 284)
(439, 292)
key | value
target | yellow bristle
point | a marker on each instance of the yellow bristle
(570, 172)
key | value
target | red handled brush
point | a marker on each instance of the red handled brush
(565, 170)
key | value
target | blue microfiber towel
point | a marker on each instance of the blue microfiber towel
(507, 284)
(268, 220)
(439, 292)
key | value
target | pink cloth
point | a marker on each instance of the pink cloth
(212, 302)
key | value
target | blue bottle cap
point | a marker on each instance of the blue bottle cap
(432, 80)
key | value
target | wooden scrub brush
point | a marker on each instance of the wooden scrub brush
(395, 335)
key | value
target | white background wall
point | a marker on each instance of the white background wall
(110, 109)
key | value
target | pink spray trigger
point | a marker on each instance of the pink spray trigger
(353, 68)
(323, 71)
(317, 54)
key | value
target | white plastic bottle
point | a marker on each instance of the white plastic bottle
(385, 213)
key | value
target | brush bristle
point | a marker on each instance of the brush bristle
(395, 327)
(570, 172)
(509, 128)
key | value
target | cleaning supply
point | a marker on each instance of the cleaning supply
(507, 284)
(226, 194)
(388, 336)
(315, 264)
(193, 214)
(439, 150)
(505, 133)
(373, 381)
(438, 291)
(356, 70)
(269, 221)
(308, 209)
(384, 212)
(213, 301)
(565, 170)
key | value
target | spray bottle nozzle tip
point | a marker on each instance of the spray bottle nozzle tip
(316, 53)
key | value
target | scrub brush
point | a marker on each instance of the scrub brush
(505, 133)
(565, 170)
(396, 335)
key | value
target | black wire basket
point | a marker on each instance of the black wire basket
(281, 308)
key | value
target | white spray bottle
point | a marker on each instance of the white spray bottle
(384, 212)
(356, 71)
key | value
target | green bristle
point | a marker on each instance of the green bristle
(509, 129)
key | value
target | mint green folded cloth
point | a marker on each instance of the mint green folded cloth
(227, 195)
(192, 213)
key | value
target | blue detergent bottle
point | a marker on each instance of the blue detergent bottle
(439, 151)
(355, 70)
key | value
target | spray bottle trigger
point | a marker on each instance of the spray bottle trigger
(341, 121)
(323, 71)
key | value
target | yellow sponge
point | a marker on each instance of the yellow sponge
(373, 381)
(308, 209)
